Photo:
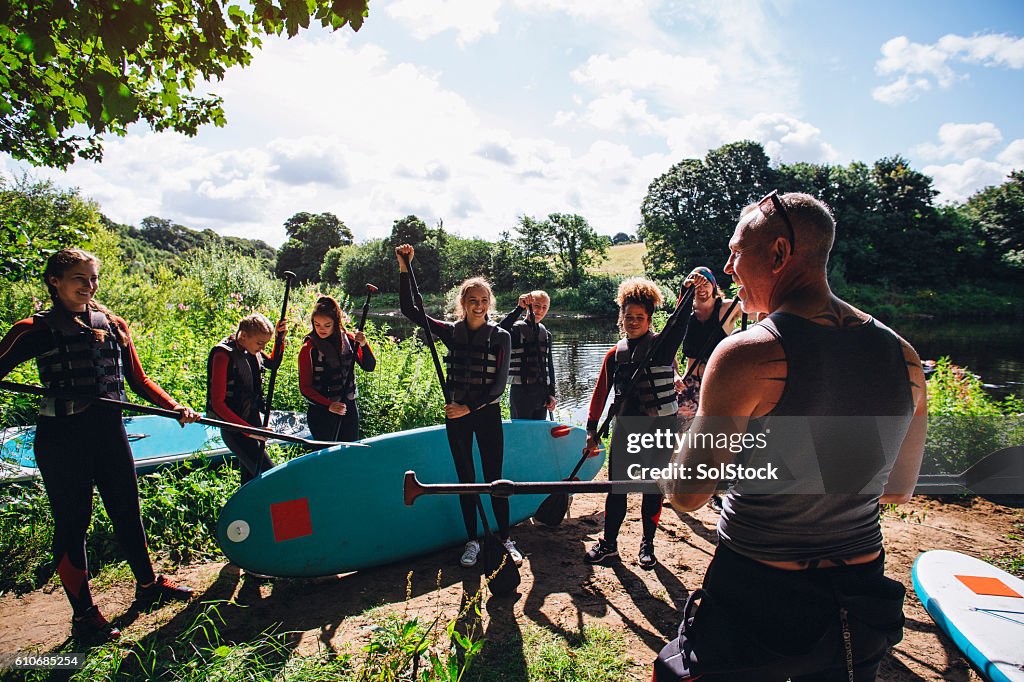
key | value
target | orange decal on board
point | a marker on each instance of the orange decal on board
(290, 519)
(991, 587)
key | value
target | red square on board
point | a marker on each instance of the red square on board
(993, 587)
(291, 519)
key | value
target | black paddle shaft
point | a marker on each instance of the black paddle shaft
(171, 414)
(289, 276)
(998, 477)
(370, 291)
(426, 328)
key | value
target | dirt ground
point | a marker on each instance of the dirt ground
(559, 592)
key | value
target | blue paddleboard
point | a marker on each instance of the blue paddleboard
(979, 606)
(155, 441)
(342, 509)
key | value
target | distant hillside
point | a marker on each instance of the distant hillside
(623, 259)
(160, 241)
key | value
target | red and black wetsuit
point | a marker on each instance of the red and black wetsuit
(79, 444)
(613, 377)
(477, 372)
(327, 375)
(234, 380)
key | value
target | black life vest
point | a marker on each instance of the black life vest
(333, 367)
(472, 362)
(528, 363)
(655, 392)
(79, 363)
(243, 392)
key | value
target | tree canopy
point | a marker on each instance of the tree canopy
(310, 237)
(72, 72)
(37, 219)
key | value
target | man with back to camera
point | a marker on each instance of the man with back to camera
(796, 587)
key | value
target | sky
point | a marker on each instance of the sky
(475, 112)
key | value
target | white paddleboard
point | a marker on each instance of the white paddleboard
(979, 606)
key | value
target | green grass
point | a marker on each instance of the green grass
(598, 654)
(623, 259)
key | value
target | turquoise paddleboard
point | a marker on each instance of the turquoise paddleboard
(979, 606)
(155, 442)
(342, 509)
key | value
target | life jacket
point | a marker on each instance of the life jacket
(472, 363)
(79, 364)
(243, 391)
(528, 363)
(655, 392)
(333, 367)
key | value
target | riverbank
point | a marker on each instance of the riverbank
(564, 609)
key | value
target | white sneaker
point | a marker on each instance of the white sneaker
(470, 554)
(516, 555)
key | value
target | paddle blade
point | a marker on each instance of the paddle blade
(553, 509)
(502, 573)
(999, 477)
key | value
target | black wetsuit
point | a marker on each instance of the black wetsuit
(83, 449)
(531, 367)
(484, 419)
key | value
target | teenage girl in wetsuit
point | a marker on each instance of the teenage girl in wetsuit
(653, 396)
(234, 388)
(478, 356)
(85, 351)
(531, 373)
(327, 377)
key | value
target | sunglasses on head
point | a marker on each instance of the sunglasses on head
(780, 208)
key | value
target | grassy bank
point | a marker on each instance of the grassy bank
(176, 316)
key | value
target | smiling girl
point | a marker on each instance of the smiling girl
(478, 357)
(327, 377)
(84, 351)
(654, 396)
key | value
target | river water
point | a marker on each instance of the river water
(992, 350)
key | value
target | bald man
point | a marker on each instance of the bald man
(796, 588)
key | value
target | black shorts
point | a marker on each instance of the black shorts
(750, 621)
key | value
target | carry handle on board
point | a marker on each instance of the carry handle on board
(171, 414)
(997, 477)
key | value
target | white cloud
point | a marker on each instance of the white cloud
(1013, 155)
(958, 181)
(786, 139)
(620, 112)
(918, 67)
(670, 76)
(470, 19)
(961, 141)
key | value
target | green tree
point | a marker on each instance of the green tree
(429, 244)
(310, 237)
(689, 212)
(575, 246)
(1000, 214)
(37, 219)
(463, 258)
(72, 72)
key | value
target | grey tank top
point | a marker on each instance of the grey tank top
(853, 373)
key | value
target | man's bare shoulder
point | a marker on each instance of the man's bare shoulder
(746, 375)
